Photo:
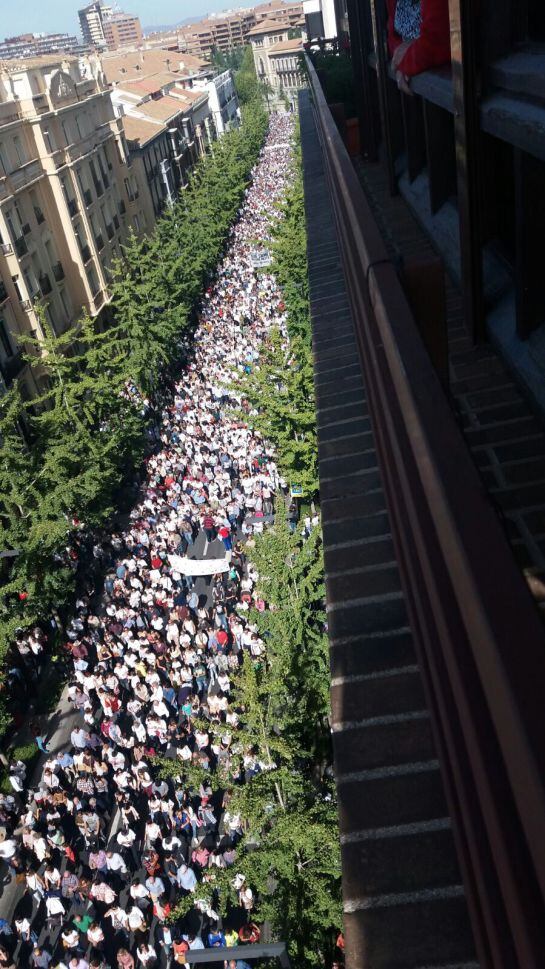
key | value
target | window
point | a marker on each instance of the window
(5, 340)
(48, 245)
(51, 319)
(19, 150)
(93, 281)
(63, 295)
(30, 281)
(136, 223)
(3, 160)
(49, 140)
(67, 132)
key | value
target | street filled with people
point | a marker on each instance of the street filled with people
(107, 844)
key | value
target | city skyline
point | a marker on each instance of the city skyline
(62, 15)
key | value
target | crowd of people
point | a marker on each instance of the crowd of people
(107, 844)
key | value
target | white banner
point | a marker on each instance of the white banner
(199, 566)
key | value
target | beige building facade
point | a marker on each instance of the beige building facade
(276, 56)
(122, 30)
(68, 198)
(167, 119)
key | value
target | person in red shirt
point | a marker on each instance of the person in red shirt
(418, 37)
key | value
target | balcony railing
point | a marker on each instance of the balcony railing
(58, 271)
(72, 207)
(88, 197)
(45, 284)
(6, 248)
(20, 246)
(466, 597)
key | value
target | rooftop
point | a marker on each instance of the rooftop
(296, 43)
(162, 110)
(268, 27)
(151, 83)
(31, 63)
(140, 130)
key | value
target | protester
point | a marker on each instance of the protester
(418, 37)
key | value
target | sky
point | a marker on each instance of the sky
(33, 16)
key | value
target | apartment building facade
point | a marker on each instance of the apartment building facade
(225, 33)
(68, 198)
(92, 19)
(35, 45)
(122, 30)
(222, 99)
(276, 56)
(163, 100)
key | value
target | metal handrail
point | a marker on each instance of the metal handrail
(479, 639)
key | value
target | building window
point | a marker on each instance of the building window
(20, 153)
(65, 304)
(136, 223)
(4, 339)
(49, 140)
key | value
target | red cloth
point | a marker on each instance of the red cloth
(156, 562)
(432, 49)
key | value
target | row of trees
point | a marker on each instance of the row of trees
(86, 434)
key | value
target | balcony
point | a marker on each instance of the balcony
(45, 284)
(85, 253)
(9, 111)
(20, 246)
(99, 240)
(88, 197)
(58, 272)
(40, 103)
(86, 89)
(26, 229)
(11, 367)
(27, 173)
(72, 207)
(40, 217)
(110, 230)
(6, 249)
(26, 305)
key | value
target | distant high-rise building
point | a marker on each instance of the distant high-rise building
(224, 32)
(122, 30)
(34, 45)
(92, 20)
